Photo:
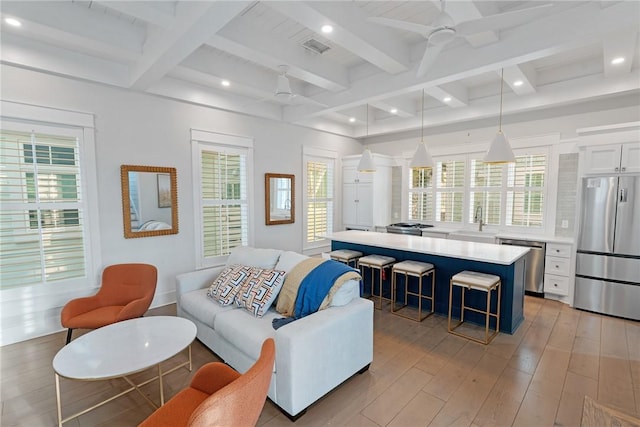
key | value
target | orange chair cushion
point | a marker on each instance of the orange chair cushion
(96, 318)
(176, 412)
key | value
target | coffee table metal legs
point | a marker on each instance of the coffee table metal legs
(130, 389)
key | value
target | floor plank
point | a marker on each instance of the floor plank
(421, 375)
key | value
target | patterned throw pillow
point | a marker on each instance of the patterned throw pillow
(260, 290)
(228, 283)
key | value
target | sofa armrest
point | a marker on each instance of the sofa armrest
(318, 352)
(194, 280)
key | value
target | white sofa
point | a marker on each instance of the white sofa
(314, 354)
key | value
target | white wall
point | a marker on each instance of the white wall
(139, 129)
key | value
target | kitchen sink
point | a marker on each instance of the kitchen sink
(473, 236)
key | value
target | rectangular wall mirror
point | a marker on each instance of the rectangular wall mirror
(149, 201)
(280, 198)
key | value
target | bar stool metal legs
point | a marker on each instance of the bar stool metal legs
(376, 262)
(474, 281)
(412, 269)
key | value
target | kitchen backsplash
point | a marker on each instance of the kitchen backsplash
(567, 194)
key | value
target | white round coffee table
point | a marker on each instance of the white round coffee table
(122, 349)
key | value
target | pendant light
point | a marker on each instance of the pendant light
(366, 161)
(421, 158)
(500, 151)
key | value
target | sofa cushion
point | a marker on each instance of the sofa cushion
(345, 293)
(244, 331)
(202, 308)
(288, 260)
(253, 257)
(228, 283)
(258, 292)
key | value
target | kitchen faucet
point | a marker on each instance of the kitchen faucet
(478, 217)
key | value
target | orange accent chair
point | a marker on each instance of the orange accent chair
(126, 293)
(220, 396)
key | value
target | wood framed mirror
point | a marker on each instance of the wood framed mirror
(149, 201)
(280, 198)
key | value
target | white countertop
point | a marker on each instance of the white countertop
(484, 252)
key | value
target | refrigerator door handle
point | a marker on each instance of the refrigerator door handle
(623, 195)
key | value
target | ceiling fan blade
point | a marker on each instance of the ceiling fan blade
(501, 20)
(402, 25)
(429, 57)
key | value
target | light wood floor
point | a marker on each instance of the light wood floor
(420, 376)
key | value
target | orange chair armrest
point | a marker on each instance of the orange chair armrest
(135, 308)
(213, 376)
(79, 306)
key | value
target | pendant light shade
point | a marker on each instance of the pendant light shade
(366, 161)
(421, 158)
(500, 151)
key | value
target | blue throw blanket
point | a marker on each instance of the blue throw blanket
(313, 290)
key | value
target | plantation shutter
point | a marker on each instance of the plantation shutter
(319, 198)
(421, 194)
(449, 190)
(223, 183)
(485, 191)
(42, 209)
(525, 191)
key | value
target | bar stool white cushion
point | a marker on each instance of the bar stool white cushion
(344, 254)
(376, 260)
(475, 280)
(412, 267)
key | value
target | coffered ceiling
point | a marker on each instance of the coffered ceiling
(559, 56)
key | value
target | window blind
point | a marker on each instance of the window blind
(485, 192)
(450, 189)
(421, 194)
(42, 209)
(223, 188)
(319, 198)
(525, 191)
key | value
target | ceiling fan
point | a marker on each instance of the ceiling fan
(283, 90)
(443, 29)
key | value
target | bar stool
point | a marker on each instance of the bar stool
(474, 281)
(346, 256)
(376, 262)
(414, 269)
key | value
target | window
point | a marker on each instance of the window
(450, 190)
(42, 216)
(421, 194)
(222, 214)
(318, 195)
(485, 192)
(525, 191)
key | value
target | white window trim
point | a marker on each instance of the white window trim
(214, 139)
(24, 117)
(524, 145)
(308, 153)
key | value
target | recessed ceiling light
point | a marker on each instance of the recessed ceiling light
(393, 110)
(518, 83)
(225, 83)
(327, 29)
(13, 22)
(447, 99)
(352, 119)
(617, 61)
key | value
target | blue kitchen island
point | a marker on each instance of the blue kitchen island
(450, 257)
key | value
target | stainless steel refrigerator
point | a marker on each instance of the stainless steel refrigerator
(608, 258)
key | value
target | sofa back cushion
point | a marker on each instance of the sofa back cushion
(288, 260)
(259, 290)
(253, 257)
(228, 283)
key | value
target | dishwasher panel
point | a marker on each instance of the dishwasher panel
(534, 265)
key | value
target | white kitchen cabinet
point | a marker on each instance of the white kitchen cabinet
(366, 196)
(557, 269)
(613, 158)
